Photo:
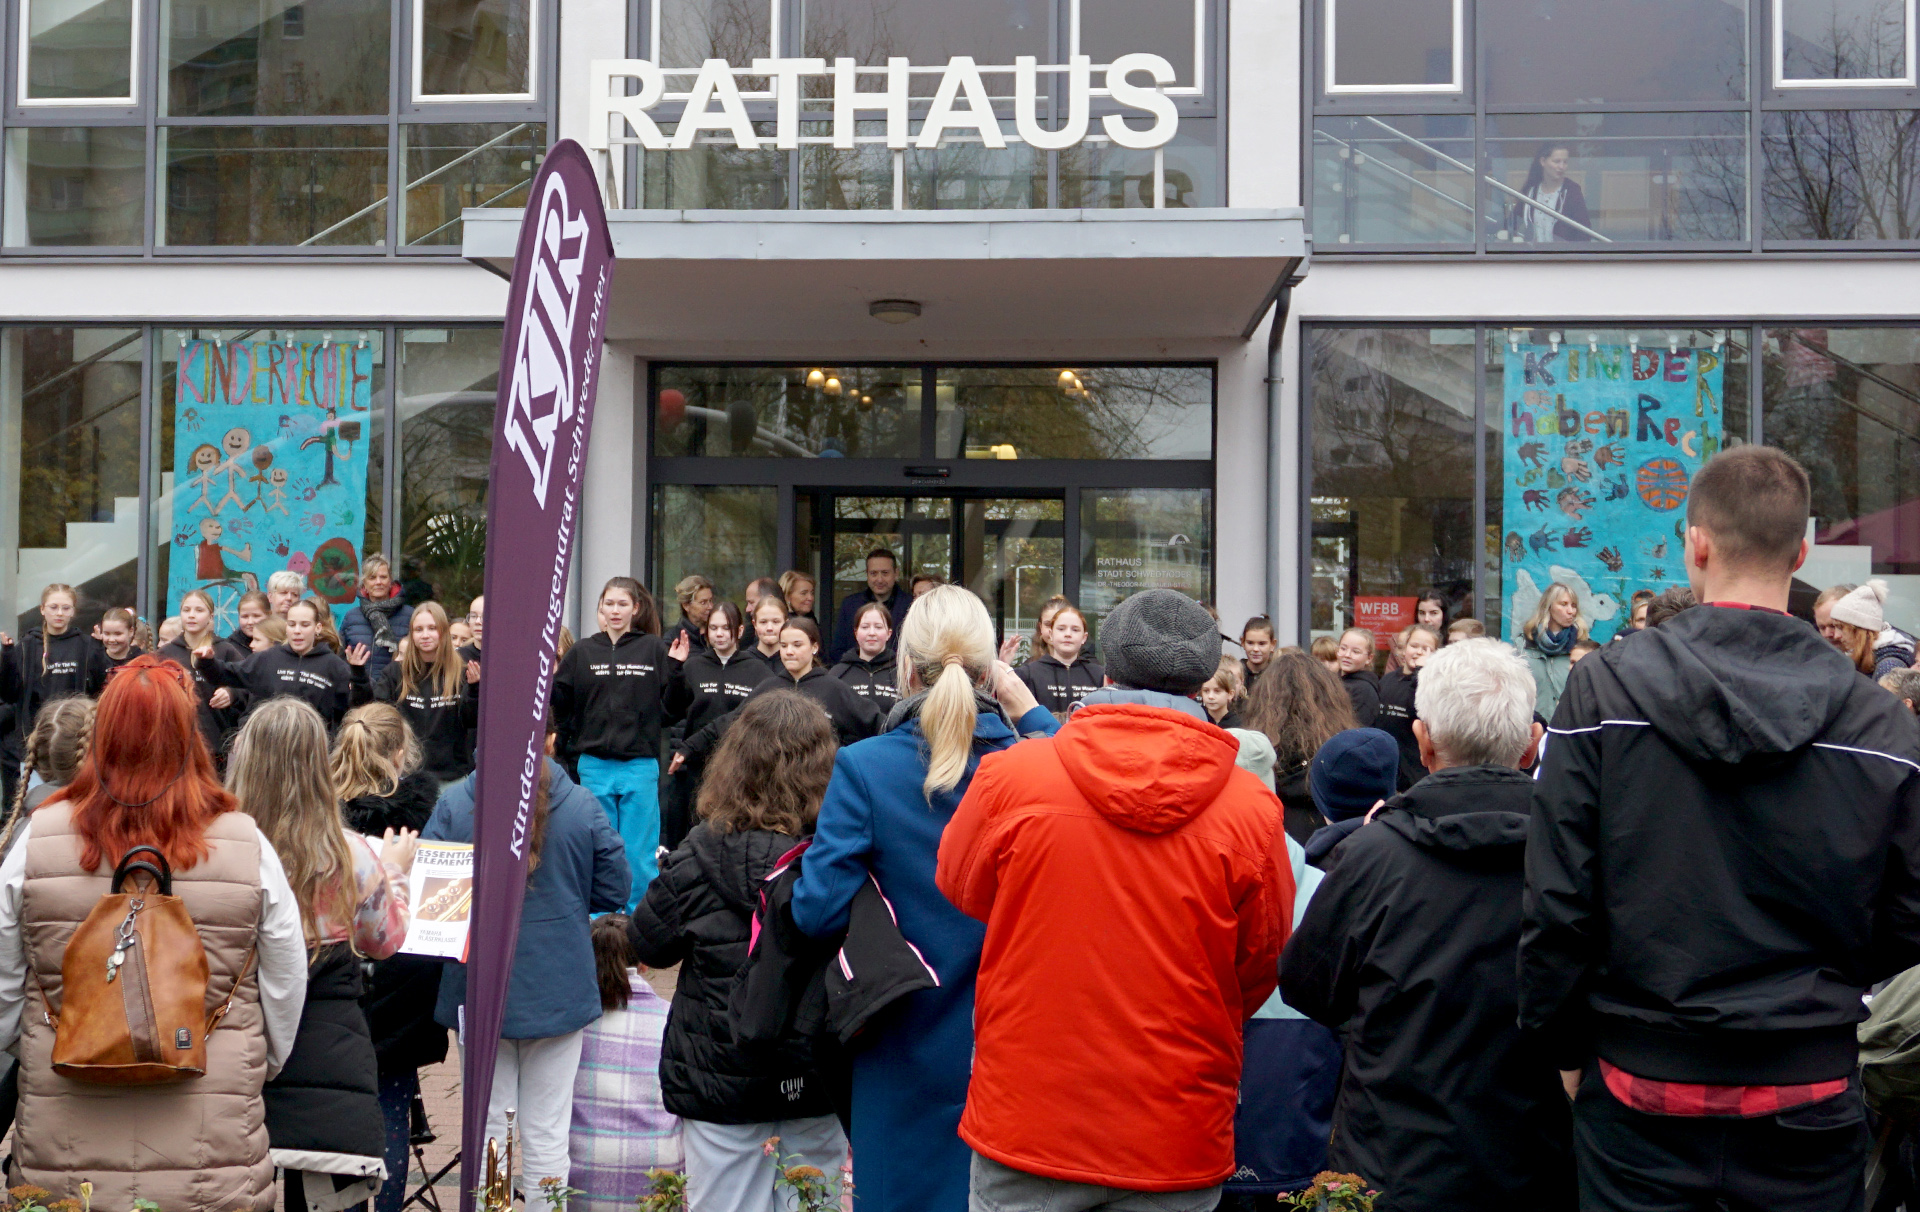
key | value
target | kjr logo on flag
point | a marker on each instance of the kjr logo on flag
(540, 397)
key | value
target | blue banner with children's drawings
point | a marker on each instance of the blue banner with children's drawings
(1601, 446)
(270, 446)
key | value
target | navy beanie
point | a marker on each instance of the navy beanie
(1354, 771)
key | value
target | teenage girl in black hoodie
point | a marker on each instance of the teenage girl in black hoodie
(869, 670)
(1357, 675)
(1397, 690)
(116, 636)
(768, 617)
(219, 709)
(51, 661)
(430, 686)
(304, 667)
(714, 680)
(854, 718)
(1062, 676)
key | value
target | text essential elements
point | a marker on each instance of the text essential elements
(961, 105)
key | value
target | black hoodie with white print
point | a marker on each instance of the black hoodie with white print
(41, 668)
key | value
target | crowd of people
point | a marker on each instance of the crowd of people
(1146, 917)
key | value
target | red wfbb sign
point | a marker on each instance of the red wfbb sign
(1383, 616)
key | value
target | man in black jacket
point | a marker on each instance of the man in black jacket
(1407, 949)
(883, 586)
(1724, 854)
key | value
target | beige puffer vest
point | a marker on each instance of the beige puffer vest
(198, 1145)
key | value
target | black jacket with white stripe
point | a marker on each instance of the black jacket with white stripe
(1724, 854)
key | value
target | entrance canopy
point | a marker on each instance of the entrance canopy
(976, 275)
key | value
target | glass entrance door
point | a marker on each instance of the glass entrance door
(1011, 551)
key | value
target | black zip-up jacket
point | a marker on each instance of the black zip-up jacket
(400, 998)
(855, 718)
(320, 677)
(73, 663)
(1058, 685)
(707, 688)
(133, 650)
(699, 914)
(1395, 718)
(1407, 950)
(877, 679)
(216, 723)
(1725, 854)
(443, 723)
(609, 699)
(1363, 688)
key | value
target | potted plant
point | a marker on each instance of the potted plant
(1332, 1192)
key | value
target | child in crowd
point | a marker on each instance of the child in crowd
(268, 632)
(1060, 677)
(1669, 602)
(1353, 774)
(54, 751)
(1397, 690)
(1256, 640)
(761, 795)
(1465, 629)
(1355, 654)
(117, 629)
(869, 670)
(1582, 649)
(169, 630)
(251, 609)
(621, 1128)
(1636, 613)
(1326, 650)
(1224, 693)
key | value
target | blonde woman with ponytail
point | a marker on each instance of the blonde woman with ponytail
(885, 808)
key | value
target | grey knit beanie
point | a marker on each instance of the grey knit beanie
(1162, 640)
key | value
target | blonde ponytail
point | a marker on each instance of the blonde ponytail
(947, 641)
(372, 751)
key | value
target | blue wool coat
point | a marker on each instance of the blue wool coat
(583, 870)
(910, 1069)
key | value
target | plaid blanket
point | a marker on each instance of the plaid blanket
(620, 1128)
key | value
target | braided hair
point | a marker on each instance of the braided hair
(62, 734)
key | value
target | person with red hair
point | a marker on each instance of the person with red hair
(148, 780)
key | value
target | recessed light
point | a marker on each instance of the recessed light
(894, 311)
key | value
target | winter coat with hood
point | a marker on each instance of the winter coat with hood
(216, 723)
(1407, 951)
(41, 668)
(400, 997)
(442, 722)
(1129, 843)
(319, 677)
(1060, 687)
(1724, 854)
(707, 687)
(855, 717)
(910, 1073)
(1294, 786)
(1892, 651)
(583, 870)
(877, 679)
(609, 696)
(699, 914)
(1363, 688)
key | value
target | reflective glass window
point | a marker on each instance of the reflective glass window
(1593, 52)
(1595, 178)
(69, 469)
(856, 178)
(448, 383)
(714, 174)
(245, 58)
(1143, 538)
(451, 167)
(1389, 45)
(692, 31)
(927, 33)
(1098, 175)
(78, 50)
(803, 412)
(725, 534)
(1393, 180)
(963, 174)
(474, 48)
(1111, 28)
(1828, 41)
(281, 185)
(76, 186)
(1094, 412)
(1842, 175)
(1845, 402)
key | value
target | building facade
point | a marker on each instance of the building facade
(992, 284)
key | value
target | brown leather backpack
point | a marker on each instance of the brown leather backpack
(134, 986)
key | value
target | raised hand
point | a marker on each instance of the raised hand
(358, 654)
(681, 646)
(220, 698)
(203, 653)
(397, 848)
(473, 673)
(1009, 648)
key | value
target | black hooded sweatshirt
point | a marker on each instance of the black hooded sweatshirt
(1363, 687)
(699, 914)
(1725, 854)
(1058, 685)
(1395, 718)
(443, 723)
(216, 723)
(320, 677)
(875, 679)
(1407, 950)
(854, 717)
(42, 668)
(609, 698)
(707, 688)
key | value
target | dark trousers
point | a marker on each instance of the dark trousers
(676, 807)
(1809, 1159)
(397, 1092)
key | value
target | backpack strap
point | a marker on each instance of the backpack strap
(246, 969)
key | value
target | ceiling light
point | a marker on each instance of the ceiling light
(894, 311)
(815, 378)
(832, 387)
(1066, 378)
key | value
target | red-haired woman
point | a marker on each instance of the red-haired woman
(148, 781)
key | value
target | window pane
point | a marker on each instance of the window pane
(1395, 180)
(275, 185)
(231, 58)
(859, 178)
(265, 459)
(1392, 42)
(1843, 175)
(725, 534)
(70, 467)
(803, 412)
(917, 530)
(1098, 175)
(1392, 491)
(450, 168)
(1627, 176)
(928, 33)
(964, 175)
(1142, 538)
(1843, 40)
(76, 185)
(79, 50)
(1089, 412)
(448, 381)
(713, 174)
(695, 30)
(1597, 434)
(1589, 52)
(1111, 28)
(1846, 403)
(475, 47)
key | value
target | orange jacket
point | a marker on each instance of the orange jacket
(1136, 890)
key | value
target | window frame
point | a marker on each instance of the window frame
(1331, 86)
(1777, 50)
(416, 54)
(137, 50)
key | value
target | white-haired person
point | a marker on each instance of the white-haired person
(284, 588)
(1407, 951)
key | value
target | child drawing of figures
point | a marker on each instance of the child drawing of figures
(262, 460)
(328, 437)
(277, 495)
(210, 563)
(204, 464)
(235, 442)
